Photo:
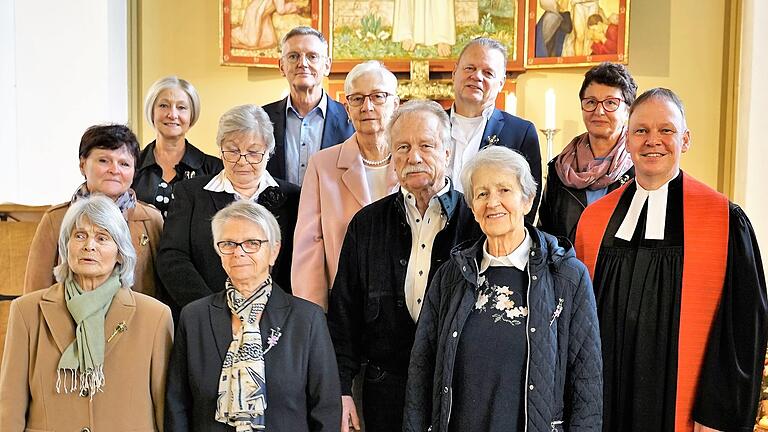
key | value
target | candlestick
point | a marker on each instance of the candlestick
(549, 109)
(550, 133)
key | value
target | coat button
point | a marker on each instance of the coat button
(455, 334)
(534, 277)
(464, 268)
(533, 253)
(530, 387)
(445, 390)
(533, 329)
(403, 261)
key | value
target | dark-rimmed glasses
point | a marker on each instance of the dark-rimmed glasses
(610, 104)
(312, 57)
(233, 156)
(249, 246)
(377, 98)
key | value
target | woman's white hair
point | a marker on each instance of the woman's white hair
(101, 212)
(247, 119)
(499, 159)
(167, 83)
(387, 78)
(250, 212)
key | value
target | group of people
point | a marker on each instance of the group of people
(376, 265)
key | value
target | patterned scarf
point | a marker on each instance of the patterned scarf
(124, 202)
(577, 167)
(86, 352)
(242, 386)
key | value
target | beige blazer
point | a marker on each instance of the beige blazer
(334, 189)
(135, 363)
(145, 223)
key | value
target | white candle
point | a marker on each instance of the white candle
(549, 109)
(510, 104)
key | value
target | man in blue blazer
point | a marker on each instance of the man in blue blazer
(308, 119)
(475, 122)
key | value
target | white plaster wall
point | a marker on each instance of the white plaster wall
(64, 68)
(751, 189)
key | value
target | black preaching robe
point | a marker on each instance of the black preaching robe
(638, 287)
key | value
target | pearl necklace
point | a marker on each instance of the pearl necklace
(376, 163)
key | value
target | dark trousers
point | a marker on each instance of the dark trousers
(383, 400)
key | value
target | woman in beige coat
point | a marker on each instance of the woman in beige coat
(87, 354)
(108, 157)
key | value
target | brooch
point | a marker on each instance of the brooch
(274, 336)
(558, 311)
(143, 240)
(624, 179)
(492, 140)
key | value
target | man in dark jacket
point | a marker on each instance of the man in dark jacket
(390, 253)
(307, 120)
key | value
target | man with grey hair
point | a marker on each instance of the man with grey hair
(478, 77)
(307, 120)
(680, 288)
(391, 250)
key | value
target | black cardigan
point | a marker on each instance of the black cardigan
(187, 262)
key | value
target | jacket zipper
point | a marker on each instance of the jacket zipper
(528, 343)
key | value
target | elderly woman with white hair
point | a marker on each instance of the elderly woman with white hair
(251, 357)
(66, 342)
(171, 107)
(341, 180)
(508, 336)
(187, 262)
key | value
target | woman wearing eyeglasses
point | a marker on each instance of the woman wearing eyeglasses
(251, 357)
(595, 162)
(342, 179)
(187, 262)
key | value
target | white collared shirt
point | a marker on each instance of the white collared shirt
(466, 139)
(657, 213)
(220, 183)
(423, 232)
(518, 258)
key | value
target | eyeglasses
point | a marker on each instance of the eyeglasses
(377, 98)
(312, 57)
(227, 247)
(610, 104)
(233, 156)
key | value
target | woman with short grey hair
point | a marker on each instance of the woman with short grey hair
(63, 343)
(273, 367)
(342, 179)
(508, 331)
(187, 261)
(171, 108)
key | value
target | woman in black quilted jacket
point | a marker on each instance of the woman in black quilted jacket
(508, 338)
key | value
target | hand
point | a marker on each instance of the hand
(698, 428)
(349, 419)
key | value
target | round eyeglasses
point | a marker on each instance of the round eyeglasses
(312, 57)
(377, 98)
(233, 156)
(250, 246)
(610, 104)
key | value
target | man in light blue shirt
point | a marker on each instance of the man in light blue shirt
(307, 120)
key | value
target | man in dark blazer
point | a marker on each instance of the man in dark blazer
(475, 122)
(307, 120)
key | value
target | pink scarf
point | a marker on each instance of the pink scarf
(577, 167)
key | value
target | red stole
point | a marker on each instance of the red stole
(705, 238)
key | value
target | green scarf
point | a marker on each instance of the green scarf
(86, 352)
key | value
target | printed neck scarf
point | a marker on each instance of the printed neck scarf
(124, 202)
(86, 353)
(242, 385)
(577, 167)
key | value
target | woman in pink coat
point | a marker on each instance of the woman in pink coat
(342, 179)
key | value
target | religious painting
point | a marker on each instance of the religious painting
(566, 33)
(398, 31)
(250, 30)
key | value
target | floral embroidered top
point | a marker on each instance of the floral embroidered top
(489, 372)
